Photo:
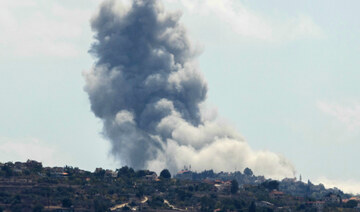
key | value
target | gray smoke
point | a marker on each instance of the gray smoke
(146, 88)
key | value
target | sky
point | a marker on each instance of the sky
(283, 73)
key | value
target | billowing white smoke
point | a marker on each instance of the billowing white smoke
(147, 90)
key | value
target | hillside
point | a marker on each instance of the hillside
(31, 187)
(288, 185)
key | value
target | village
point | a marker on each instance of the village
(28, 186)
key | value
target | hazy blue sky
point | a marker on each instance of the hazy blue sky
(284, 73)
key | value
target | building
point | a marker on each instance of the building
(110, 173)
(222, 186)
(318, 205)
(33, 164)
(289, 180)
(151, 177)
(332, 198)
(275, 194)
(184, 175)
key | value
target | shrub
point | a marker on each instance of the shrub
(165, 174)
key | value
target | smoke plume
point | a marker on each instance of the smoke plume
(147, 89)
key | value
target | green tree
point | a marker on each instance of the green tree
(234, 186)
(66, 203)
(252, 207)
(351, 204)
(165, 174)
(8, 170)
(207, 203)
(142, 173)
(125, 171)
(271, 184)
(19, 208)
(156, 202)
(38, 208)
(126, 208)
(248, 172)
(100, 205)
(16, 200)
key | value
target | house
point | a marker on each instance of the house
(151, 177)
(352, 198)
(275, 194)
(319, 205)
(289, 180)
(184, 175)
(58, 172)
(17, 170)
(58, 169)
(299, 198)
(211, 182)
(33, 164)
(332, 198)
(218, 182)
(223, 186)
(98, 170)
(208, 181)
(110, 173)
(183, 171)
(19, 167)
(355, 198)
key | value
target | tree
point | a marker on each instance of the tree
(66, 203)
(100, 206)
(248, 172)
(351, 204)
(165, 174)
(252, 207)
(8, 170)
(271, 184)
(38, 208)
(142, 173)
(126, 208)
(156, 202)
(207, 203)
(125, 171)
(140, 192)
(234, 186)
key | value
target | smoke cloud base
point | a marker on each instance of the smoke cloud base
(148, 91)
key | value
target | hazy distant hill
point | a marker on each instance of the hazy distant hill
(288, 185)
